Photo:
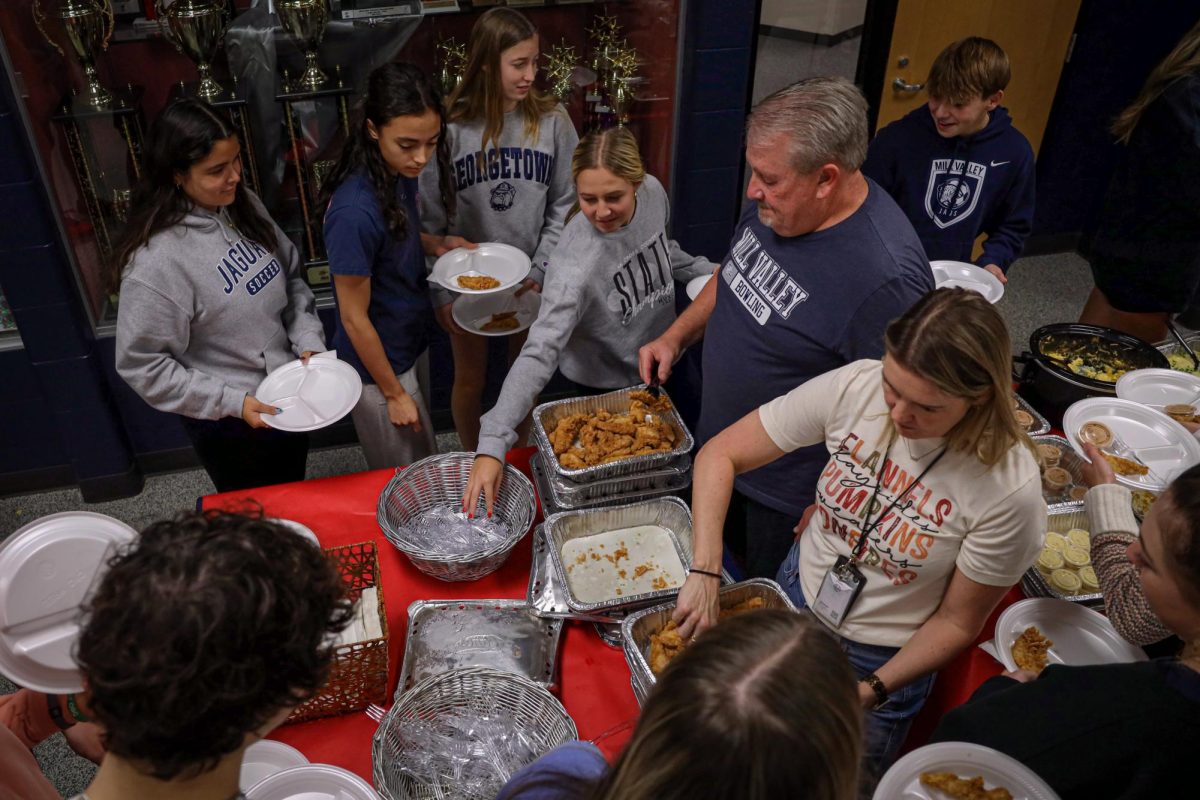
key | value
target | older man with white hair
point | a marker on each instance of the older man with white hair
(818, 266)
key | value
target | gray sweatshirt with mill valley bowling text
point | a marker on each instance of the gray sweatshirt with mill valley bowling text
(206, 313)
(606, 295)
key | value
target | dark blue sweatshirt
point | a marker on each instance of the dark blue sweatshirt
(954, 189)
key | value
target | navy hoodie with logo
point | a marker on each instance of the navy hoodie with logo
(954, 189)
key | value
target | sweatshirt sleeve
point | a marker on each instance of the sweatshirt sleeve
(152, 329)
(535, 365)
(561, 194)
(433, 221)
(1012, 220)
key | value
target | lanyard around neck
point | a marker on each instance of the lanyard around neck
(869, 528)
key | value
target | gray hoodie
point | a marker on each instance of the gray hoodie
(205, 314)
(517, 193)
(606, 295)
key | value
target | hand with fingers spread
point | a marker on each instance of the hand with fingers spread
(485, 477)
(253, 409)
(699, 605)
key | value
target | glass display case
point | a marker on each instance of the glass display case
(92, 73)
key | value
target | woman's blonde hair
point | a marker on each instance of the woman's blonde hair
(1179, 63)
(480, 94)
(613, 149)
(956, 340)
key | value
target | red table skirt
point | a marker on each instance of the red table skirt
(593, 678)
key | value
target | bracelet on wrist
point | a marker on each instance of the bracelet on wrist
(56, 712)
(716, 575)
(73, 707)
(878, 687)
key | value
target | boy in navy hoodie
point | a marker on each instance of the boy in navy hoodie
(958, 167)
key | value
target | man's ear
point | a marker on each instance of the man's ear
(828, 176)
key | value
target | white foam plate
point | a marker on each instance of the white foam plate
(903, 780)
(47, 570)
(1159, 387)
(312, 782)
(266, 757)
(951, 274)
(303, 530)
(1081, 636)
(503, 262)
(474, 311)
(1160, 442)
(696, 285)
(311, 395)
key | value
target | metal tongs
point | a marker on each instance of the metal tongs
(1183, 343)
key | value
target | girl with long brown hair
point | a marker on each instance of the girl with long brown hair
(929, 508)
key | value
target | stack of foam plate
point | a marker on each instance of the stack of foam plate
(312, 782)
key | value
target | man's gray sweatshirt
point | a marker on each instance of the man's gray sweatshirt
(606, 295)
(517, 192)
(206, 313)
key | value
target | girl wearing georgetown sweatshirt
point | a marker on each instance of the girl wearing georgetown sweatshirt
(211, 300)
(610, 290)
(510, 151)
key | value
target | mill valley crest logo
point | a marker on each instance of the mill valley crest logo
(953, 191)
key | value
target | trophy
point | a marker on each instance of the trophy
(195, 27)
(305, 21)
(88, 25)
(452, 63)
(560, 67)
(623, 74)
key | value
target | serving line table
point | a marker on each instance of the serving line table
(593, 679)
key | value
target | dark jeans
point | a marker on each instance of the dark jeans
(237, 456)
(757, 536)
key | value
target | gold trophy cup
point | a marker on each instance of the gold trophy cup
(195, 27)
(88, 25)
(305, 21)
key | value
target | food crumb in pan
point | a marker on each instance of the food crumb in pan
(660, 583)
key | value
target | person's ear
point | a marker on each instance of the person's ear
(994, 100)
(828, 176)
(372, 131)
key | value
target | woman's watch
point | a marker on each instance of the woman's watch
(878, 687)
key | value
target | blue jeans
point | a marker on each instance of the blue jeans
(888, 726)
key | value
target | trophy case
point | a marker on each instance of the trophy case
(93, 73)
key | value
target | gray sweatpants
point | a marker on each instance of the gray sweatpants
(383, 443)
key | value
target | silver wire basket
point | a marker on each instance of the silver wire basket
(440, 480)
(539, 718)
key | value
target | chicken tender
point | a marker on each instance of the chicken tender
(963, 788)
(563, 436)
(603, 437)
(477, 282)
(667, 643)
(1030, 649)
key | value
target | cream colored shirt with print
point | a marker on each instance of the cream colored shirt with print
(987, 521)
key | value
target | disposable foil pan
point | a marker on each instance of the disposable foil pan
(500, 634)
(1041, 425)
(1073, 463)
(1171, 347)
(555, 500)
(547, 415)
(640, 625)
(545, 595)
(672, 476)
(1035, 584)
(670, 513)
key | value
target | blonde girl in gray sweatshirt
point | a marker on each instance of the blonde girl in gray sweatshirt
(510, 153)
(211, 300)
(610, 289)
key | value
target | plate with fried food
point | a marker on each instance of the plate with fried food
(961, 771)
(1146, 448)
(490, 267)
(498, 313)
(1033, 633)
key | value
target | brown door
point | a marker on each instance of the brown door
(1034, 33)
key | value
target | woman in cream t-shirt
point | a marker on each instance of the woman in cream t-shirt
(927, 458)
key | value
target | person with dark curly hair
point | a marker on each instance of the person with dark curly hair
(201, 638)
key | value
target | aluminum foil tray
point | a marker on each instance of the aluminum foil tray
(1073, 463)
(672, 476)
(670, 513)
(638, 626)
(547, 415)
(1041, 425)
(500, 634)
(1171, 347)
(1034, 584)
(554, 501)
(545, 595)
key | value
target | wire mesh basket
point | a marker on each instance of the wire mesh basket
(524, 707)
(439, 481)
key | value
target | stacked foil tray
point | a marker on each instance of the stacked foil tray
(559, 494)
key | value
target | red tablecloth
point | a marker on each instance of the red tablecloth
(593, 678)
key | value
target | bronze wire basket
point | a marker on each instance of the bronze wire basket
(440, 480)
(358, 675)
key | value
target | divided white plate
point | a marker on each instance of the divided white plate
(266, 757)
(950, 274)
(1081, 636)
(312, 782)
(473, 312)
(503, 262)
(303, 530)
(311, 396)
(1159, 387)
(696, 285)
(1160, 442)
(47, 569)
(903, 780)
